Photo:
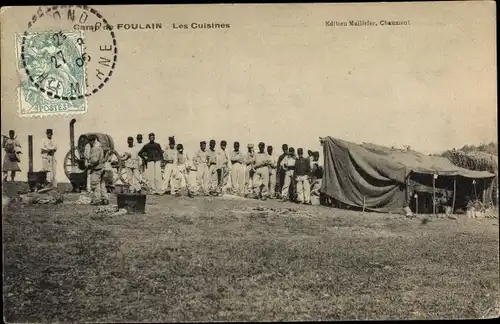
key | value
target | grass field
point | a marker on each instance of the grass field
(210, 259)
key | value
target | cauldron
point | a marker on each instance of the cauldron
(37, 180)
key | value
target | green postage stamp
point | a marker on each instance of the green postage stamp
(53, 77)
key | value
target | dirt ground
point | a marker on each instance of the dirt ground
(216, 259)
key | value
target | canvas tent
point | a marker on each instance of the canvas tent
(382, 179)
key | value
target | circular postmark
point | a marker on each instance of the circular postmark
(68, 52)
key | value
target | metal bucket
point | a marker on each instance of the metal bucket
(133, 203)
(37, 180)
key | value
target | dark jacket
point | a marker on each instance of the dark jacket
(151, 152)
(302, 167)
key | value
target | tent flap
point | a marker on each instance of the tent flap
(375, 176)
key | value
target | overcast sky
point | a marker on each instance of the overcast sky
(279, 75)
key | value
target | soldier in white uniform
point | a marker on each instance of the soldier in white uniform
(222, 167)
(238, 170)
(49, 163)
(169, 158)
(261, 175)
(272, 172)
(249, 168)
(212, 169)
(288, 164)
(200, 166)
(182, 170)
(132, 163)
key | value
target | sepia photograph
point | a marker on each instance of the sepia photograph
(249, 162)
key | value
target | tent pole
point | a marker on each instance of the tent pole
(433, 195)
(454, 194)
(364, 203)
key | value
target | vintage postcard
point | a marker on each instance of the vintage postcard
(223, 162)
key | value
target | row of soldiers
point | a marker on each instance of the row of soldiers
(214, 171)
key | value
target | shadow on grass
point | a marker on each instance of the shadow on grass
(203, 262)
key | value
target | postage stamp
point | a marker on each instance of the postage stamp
(59, 67)
(54, 73)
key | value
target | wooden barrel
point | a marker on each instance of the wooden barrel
(105, 140)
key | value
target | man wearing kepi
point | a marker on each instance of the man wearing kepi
(153, 155)
(223, 167)
(272, 172)
(132, 165)
(96, 171)
(288, 165)
(142, 163)
(261, 175)
(200, 166)
(11, 158)
(212, 168)
(249, 168)
(302, 178)
(238, 170)
(49, 148)
(169, 156)
(280, 172)
(183, 168)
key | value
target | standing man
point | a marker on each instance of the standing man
(142, 163)
(212, 168)
(310, 157)
(86, 156)
(11, 158)
(169, 157)
(49, 148)
(222, 167)
(238, 170)
(280, 172)
(249, 168)
(288, 164)
(316, 179)
(200, 163)
(96, 170)
(272, 172)
(261, 175)
(153, 155)
(132, 164)
(302, 178)
(182, 169)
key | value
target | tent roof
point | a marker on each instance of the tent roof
(409, 161)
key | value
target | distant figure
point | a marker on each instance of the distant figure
(182, 170)
(310, 157)
(11, 159)
(302, 174)
(222, 167)
(288, 164)
(272, 172)
(142, 163)
(132, 163)
(249, 168)
(280, 172)
(86, 156)
(153, 155)
(238, 170)
(200, 166)
(48, 151)
(96, 170)
(212, 168)
(316, 180)
(169, 158)
(261, 175)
